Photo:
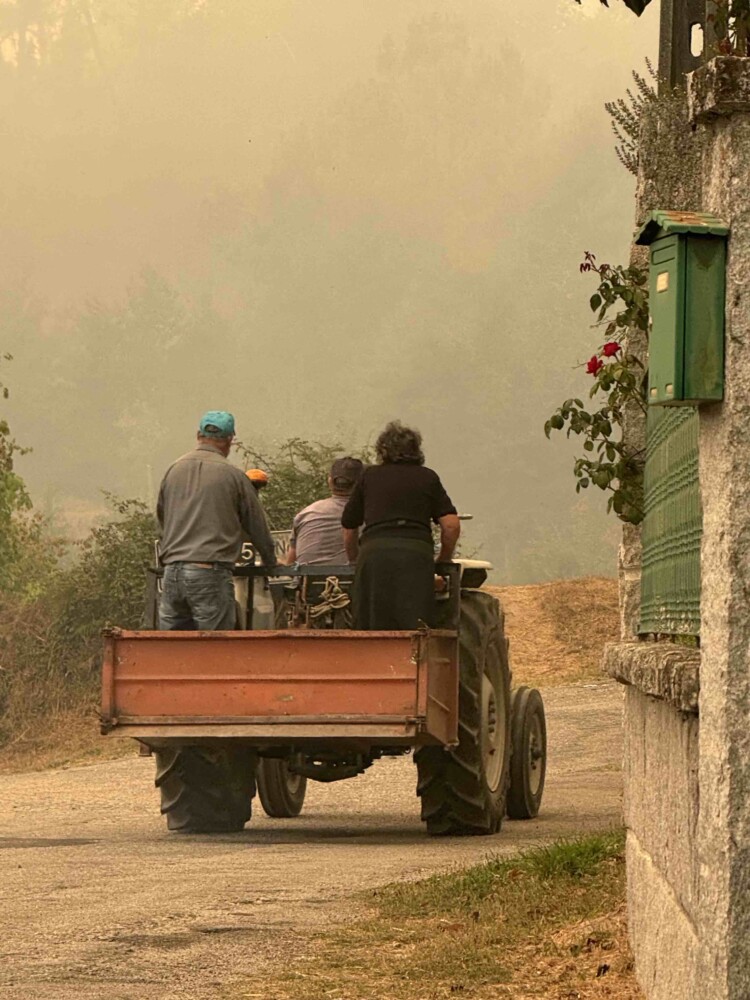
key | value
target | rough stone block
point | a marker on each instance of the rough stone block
(719, 87)
(724, 825)
(662, 935)
(663, 670)
(661, 791)
(629, 559)
(669, 159)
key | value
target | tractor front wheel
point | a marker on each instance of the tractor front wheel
(463, 789)
(528, 762)
(281, 793)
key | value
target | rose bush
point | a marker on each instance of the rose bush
(619, 382)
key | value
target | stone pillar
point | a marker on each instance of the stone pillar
(720, 107)
(661, 726)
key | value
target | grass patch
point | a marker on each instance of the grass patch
(547, 923)
(571, 861)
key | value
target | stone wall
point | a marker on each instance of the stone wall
(661, 804)
(661, 751)
(687, 713)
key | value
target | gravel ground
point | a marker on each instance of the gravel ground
(99, 901)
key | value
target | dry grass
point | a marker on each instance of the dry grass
(61, 740)
(548, 924)
(558, 630)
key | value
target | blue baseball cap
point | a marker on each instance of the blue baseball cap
(216, 424)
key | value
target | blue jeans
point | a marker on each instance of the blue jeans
(195, 597)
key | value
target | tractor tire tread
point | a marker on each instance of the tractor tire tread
(456, 799)
(205, 791)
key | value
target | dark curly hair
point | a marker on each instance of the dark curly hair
(399, 444)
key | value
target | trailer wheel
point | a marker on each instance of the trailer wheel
(281, 793)
(528, 762)
(206, 790)
(463, 790)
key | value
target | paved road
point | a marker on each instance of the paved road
(99, 901)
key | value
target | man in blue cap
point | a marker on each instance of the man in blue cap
(207, 508)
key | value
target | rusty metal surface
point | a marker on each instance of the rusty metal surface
(441, 702)
(285, 684)
(360, 736)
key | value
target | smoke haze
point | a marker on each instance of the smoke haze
(319, 216)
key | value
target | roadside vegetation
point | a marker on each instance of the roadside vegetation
(56, 595)
(549, 923)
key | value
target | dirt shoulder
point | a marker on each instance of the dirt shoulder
(101, 902)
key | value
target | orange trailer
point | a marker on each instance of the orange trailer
(273, 687)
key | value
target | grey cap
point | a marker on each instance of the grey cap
(346, 471)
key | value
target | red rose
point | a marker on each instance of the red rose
(593, 365)
(609, 350)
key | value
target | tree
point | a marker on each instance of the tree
(297, 475)
(14, 503)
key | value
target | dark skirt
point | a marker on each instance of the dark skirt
(394, 584)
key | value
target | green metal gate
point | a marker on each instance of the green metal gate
(672, 526)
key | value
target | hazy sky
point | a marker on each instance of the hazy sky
(320, 216)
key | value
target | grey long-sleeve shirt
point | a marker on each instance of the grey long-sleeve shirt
(207, 508)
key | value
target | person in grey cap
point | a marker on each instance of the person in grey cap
(207, 508)
(317, 536)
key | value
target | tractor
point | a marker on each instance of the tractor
(228, 714)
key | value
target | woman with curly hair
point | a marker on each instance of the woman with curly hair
(397, 501)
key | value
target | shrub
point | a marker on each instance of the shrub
(49, 639)
(610, 463)
(297, 474)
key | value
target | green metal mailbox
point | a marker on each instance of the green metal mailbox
(686, 300)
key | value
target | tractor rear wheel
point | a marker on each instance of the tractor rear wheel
(206, 789)
(528, 762)
(463, 789)
(281, 793)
